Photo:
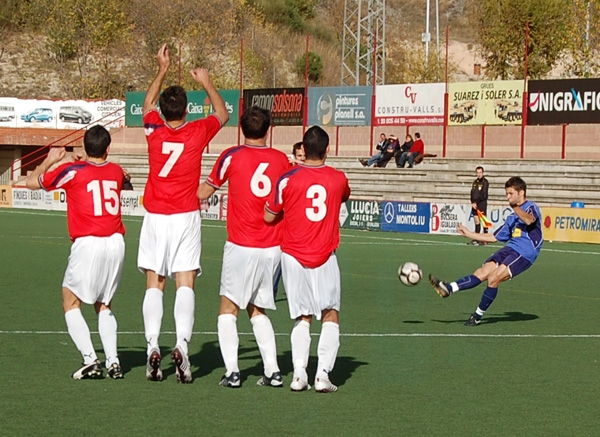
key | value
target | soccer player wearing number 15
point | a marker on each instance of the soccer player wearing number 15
(170, 235)
(93, 188)
(251, 256)
(310, 196)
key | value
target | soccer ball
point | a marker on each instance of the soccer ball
(410, 274)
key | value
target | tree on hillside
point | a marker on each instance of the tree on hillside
(499, 26)
(582, 56)
(9, 11)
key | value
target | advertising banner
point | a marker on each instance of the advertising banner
(416, 104)
(5, 196)
(339, 106)
(445, 217)
(32, 199)
(405, 217)
(198, 106)
(132, 203)
(565, 101)
(60, 114)
(492, 103)
(581, 225)
(361, 214)
(285, 104)
(210, 209)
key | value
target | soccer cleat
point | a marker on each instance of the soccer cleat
(182, 364)
(324, 386)
(473, 243)
(474, 320)
(440, 287)
(115, 372)
(153, 372)
(299, 385)
(89, 371)
(274, 381)
(231, 381)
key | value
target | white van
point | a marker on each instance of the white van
(7, 113)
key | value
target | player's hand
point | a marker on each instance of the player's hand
(201, 76)
(164, 61)
(55, 154)
(462, 229)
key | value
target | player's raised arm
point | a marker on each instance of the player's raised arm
(464, 231)
(54, 155)
(154, 90)
(201, 76)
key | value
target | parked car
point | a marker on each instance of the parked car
(38, 114)
(7, 113)
(74, 113)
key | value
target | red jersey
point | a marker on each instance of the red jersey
(252, 172)
(310, 198)
(93, 197)
(175, 157)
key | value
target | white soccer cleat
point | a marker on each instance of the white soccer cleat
(182, 365)
(89, 371)
(324, 386)
(299, 384)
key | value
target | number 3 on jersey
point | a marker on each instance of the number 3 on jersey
(318, 195)
(174, 150)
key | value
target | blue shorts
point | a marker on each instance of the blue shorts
(516, 263)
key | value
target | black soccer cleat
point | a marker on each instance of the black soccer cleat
(474, 320)
(89, 371)
(274, 381)
(115, 372)
(231, 381)
(442, 288)
(153, 372)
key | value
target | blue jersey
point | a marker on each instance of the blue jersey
(527, 240)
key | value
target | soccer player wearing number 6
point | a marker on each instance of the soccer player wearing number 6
(252, 254)
(95, 264)
(170, 235)
(310, 196)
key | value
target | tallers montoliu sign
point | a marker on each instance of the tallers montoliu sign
(564, 101)
(285, 104)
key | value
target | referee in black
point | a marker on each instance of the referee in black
(479, 196)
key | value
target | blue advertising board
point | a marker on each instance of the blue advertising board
(340, 106)
(405, 217)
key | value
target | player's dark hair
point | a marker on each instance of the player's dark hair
(296, 147)
(173, 103)
(517, 183)
(479, 168)
(315, 143)
(255, 122)
(95, 141)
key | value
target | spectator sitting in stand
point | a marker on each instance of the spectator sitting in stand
(405, 147)
(390, 151)
(381, 146)
(417, 148)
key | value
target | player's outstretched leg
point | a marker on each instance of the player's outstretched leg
(329, 344)
(265, 339)
(300, 339)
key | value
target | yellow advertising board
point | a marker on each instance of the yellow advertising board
(5, 196)
(493, 103)
(575, 225)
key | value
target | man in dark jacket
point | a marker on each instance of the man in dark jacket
(479, 196)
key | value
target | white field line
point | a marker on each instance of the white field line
(389, 335)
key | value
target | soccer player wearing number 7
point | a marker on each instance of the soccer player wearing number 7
(310, 196)
(522, 230)
(93, 188)
(251, 256)
(170, 235)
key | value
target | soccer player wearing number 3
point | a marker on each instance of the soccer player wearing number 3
(93, 188)
(252, 254)
(170, 235)
(310, 196)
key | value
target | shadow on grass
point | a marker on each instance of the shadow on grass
(509, 316)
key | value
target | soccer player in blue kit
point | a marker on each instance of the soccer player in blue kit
(522, 230)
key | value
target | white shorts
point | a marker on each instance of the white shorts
(247, 275)
(311, 291)
(95, 267)
(170, 243)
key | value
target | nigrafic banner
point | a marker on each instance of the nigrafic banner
(565, 101)
(478, 103)
(285, 104)
(340, 106)
(415, 104)
(198, 106)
